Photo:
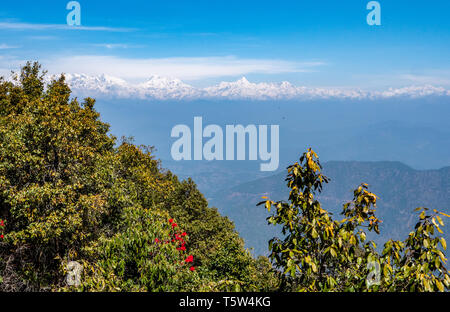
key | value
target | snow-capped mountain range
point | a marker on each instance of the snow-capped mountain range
(164, 88)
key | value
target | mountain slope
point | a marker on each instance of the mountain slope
(399, 187)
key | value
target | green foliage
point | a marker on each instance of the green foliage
(141, 257)
(318, 253)
(49, 146)
(418, 263)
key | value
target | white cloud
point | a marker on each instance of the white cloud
(43, 37)
(30, 26)
(6, 46)
(111, 45)
(435, 78)
(186, 68)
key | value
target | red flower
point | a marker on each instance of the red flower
(181, 248)
(156, 240)
(189, 259)
(1, 236)
(192, 269)
(174, 225)
(1, 223)
(184, 234)
(171, 221)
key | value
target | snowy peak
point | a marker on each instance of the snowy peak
(164, 87)
(242, 88)
(415, 91)
(160, 82)
(94, 82)
(160, 87)
(157, 87)
(243, 82)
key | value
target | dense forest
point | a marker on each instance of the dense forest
(73, 196)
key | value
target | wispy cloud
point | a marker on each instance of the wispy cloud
(43, 37)
(30, 26)
(112, 45)
(187, 68)
(436, 79)
(7, 46)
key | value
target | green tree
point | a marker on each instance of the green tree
(317, 253)
(49, 147)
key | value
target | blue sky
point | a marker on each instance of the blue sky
(310, 43)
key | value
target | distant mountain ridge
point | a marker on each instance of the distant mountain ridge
(158, 87)
(399, 187)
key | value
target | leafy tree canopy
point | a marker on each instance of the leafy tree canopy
(319, 253)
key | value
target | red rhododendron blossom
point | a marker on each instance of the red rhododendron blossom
(179, 242)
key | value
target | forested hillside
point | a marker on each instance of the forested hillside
(71, 192)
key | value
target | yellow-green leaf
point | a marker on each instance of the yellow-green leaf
(268, 205)
(443, 243)
(439, 285)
